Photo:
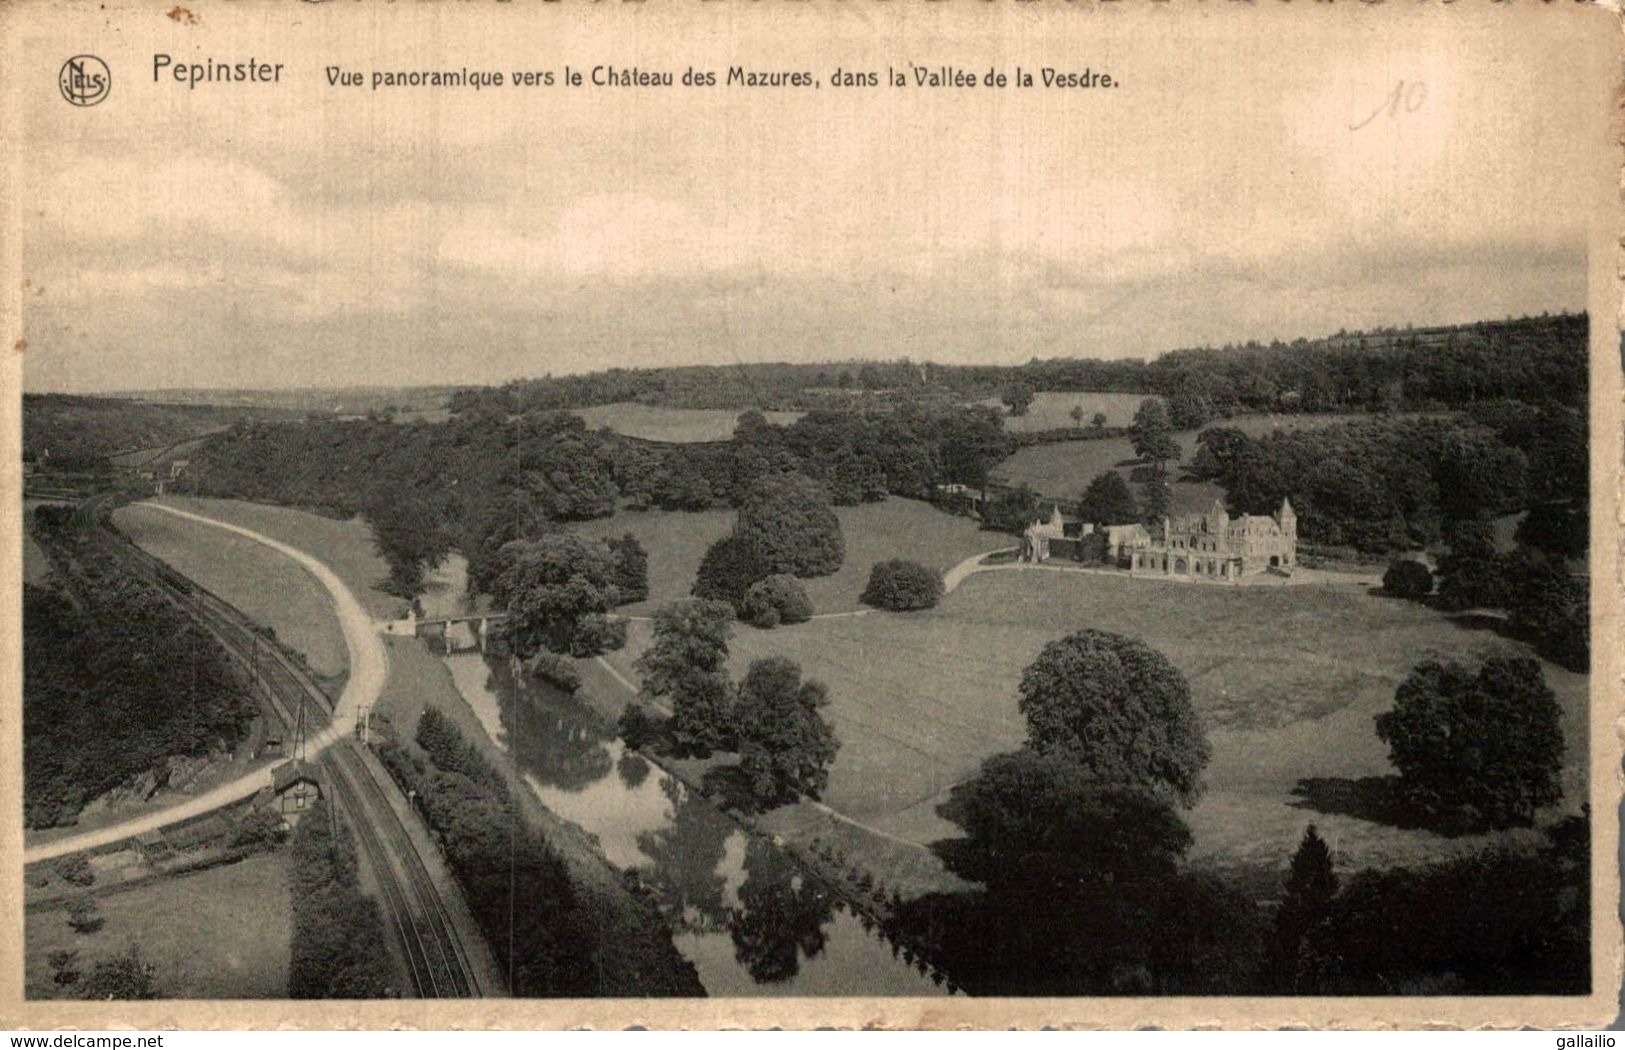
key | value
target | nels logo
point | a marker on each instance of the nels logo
(85, 80)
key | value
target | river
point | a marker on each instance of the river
(744, 912)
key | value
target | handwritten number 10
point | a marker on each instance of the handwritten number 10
(1406, 98)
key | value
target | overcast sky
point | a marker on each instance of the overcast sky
(297, 236)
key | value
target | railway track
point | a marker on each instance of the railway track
(437, 963)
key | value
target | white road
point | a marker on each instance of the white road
(1301, 577)
(369, 666)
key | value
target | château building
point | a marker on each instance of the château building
(1213, 545)
(1217, 545)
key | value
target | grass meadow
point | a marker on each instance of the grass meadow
(221, 933)
(1052, 410)
(345, 545)
(675, 425)
(919, 700)
(1287, 681)
(893, 528)
(267, 586)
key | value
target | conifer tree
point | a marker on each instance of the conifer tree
(1310, 887)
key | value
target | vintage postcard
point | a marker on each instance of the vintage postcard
(839, 513)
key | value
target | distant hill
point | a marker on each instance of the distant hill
(78, 428)
(1528, 359)
(400, 401)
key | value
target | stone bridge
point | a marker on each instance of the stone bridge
(445, 628)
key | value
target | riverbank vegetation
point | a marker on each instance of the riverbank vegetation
(549, 932)
(771, 717)
(516, 888)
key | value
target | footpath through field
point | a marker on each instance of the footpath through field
(368, 665)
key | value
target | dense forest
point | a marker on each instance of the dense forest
(76, 431)
(1389, 483)
(1529, 359)
(1507, 921)
(512, 464)
(115, 681)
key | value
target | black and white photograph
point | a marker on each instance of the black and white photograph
(1068, 511)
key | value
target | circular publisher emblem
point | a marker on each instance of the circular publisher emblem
(84, 80)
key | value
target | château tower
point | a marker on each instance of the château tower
(1288, 519)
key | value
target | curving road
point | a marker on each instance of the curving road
(368, 665)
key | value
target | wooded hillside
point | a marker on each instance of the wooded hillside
(115, 681)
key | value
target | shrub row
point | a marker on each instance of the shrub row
(338, 949)
(517, 888)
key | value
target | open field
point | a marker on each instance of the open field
(894, 528)
(158, 458)
(222, 933)
(1052, 410)
(675, 540)
(675, 425)
(345, 546)
(920, 700)
(1061, 470)
(268, 587)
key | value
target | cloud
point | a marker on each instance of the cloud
(416, 237)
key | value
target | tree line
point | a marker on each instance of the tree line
(1529, 358)
(68, 432)
(1078, 844)
(510, 466)
(1394, 483)
(478, 482)
(517, 887)
(337, 949)
(545, 929)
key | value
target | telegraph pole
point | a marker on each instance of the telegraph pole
(254, 659)
(299, 730)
